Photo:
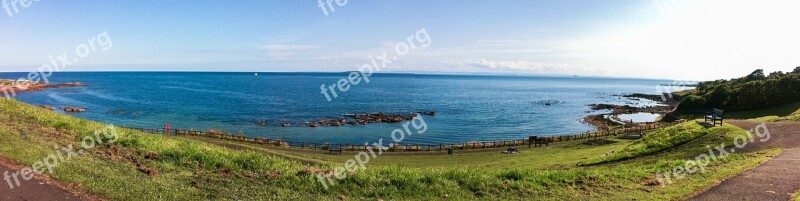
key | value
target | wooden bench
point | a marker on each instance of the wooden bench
(543, 141)
(715, 115)
(337, 151)
(512, 150)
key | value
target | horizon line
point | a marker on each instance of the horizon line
(487, 74)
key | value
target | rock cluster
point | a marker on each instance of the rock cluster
(380, 117)
(357, 119)
(618, 109)
(73, 109)
(660, 98)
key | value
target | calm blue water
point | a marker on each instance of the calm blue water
(469, 108)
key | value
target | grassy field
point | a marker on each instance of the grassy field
(561, 155)
(190, 169)
(788, 112)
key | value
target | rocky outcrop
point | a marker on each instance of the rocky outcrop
(361, 119)
(627, 109)
(73, 109)
(47, 107)
(618, 109)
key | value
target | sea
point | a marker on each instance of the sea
(468, 107)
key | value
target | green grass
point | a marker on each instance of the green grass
(565, 154)
(788, 112)
(194, 170)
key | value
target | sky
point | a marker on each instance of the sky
(662, 39)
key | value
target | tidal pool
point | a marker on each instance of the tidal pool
(639, 117)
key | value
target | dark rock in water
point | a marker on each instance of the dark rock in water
(431, 113)
(47, 107)
(363, 119)
(73, 109)
(610, 107)
(617, 109)
(660, 98)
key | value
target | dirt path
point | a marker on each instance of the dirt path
(38, 188)
(776, 179)
(784, 135)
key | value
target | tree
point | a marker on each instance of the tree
(775, 74)
(756, 75)
(796, 70)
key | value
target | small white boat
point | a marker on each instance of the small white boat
(256, 74)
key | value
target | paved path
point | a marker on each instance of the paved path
(34, 189)
(776, 179)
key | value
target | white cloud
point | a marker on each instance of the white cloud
(671, 39)
(521, 66)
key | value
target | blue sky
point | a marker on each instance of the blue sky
(653, 39)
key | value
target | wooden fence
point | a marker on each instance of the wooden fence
(600, 134)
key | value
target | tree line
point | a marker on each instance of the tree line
(754, 91)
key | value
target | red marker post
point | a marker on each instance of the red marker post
(168, 127)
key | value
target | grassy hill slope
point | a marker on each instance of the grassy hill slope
(190, 170)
